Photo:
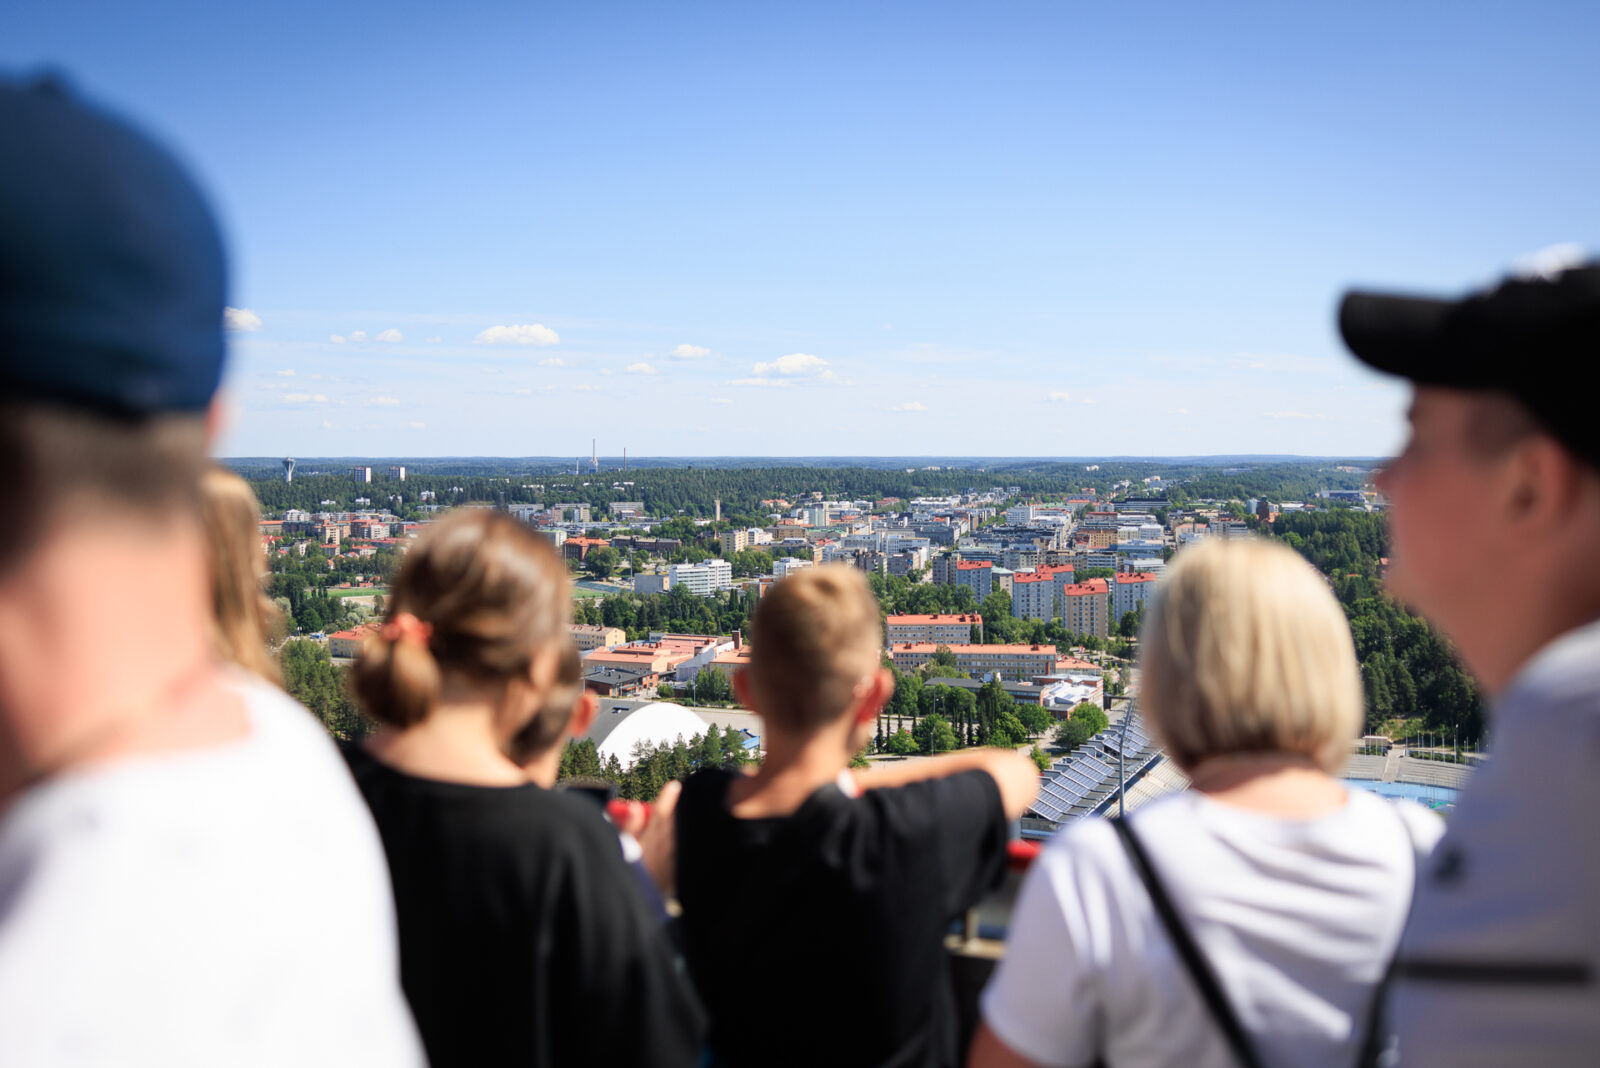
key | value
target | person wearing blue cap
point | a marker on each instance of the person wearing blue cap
(1494, 523)
(187, 874)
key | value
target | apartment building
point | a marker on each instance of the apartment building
(939, 628)
(1130, 590)
(733, 541)
(587, 636)
(1086, 608)
(702, 580)
(1016, 662)
(976, 575)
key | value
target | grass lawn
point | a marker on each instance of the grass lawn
(375, 590)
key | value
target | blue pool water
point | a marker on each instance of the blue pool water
(1430, 796)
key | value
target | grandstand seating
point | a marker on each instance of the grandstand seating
(1085, 781)
(1434, 773)
(1362, 766)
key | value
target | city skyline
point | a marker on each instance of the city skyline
(905, 231)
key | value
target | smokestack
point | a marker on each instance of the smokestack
(717, 509)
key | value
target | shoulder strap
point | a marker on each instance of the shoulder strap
(1376, 1047)
(1194, 961)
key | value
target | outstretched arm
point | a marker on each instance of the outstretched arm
(1013, 772)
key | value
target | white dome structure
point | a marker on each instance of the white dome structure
(617, 729)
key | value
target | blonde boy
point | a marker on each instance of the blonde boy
(825, 893)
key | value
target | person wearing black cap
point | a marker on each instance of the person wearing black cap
(1494, 525)
(187, 874)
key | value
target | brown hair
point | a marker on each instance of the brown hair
(242, 615)
(550, 722)
(490, 592)
(816, 634)
(56, 458)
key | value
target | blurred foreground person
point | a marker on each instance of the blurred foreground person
(524, 938)
(853, 878)
(1494, 526)
(1291, 889)
(172, 829)
(242, 614)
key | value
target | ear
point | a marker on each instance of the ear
(583, 714)
(879, 687)
(1542, 485)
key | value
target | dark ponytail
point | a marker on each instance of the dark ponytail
(397, 679)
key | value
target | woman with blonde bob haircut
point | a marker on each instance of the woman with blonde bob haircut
(1251, 918)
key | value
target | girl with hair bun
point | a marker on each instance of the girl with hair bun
(523, 936)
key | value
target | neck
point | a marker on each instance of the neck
(1518, 633)
(1278, 784)
(458, 742)
(792, 770)
(105, 651)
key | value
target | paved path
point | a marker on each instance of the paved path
(1391, 764)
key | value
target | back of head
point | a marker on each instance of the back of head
(111, 304)
(816, 634)
(231, 515)
(476, 600)
(1245, 650)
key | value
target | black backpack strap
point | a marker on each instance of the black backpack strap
(1194, 961)
(1377, 1047)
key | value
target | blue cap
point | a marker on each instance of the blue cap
(111, 265)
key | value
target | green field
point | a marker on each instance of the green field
(379, 591)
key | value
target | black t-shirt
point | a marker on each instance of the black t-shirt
(523, 937)
(818, 938)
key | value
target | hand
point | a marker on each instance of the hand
(658, 838)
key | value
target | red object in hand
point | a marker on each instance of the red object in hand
(623, 813)
(1020, 854)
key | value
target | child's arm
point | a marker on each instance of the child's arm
(1013, 772)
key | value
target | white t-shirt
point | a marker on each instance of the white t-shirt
(226, 906)
(1297, 918)
(1501, 962)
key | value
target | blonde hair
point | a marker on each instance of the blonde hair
(489, 594)
(816, 634)
(242, 615)
(1246, 650)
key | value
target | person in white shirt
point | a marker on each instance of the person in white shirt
(187, 873)
(1292, 887)
(1494, 523)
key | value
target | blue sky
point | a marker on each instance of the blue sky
(1005, 229)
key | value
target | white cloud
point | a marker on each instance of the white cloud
(337, 339)
(358, 336)
(522, 392)
(909, 406)
(240, 319)
(435, 339)
(417, 426)
(327, 425)
(605, 372)
(796, 363)
(391, 335)
(305, 398)
(554, 361)
(758, 382)
(689, 352)
(721, 400)
(1296, 415)
(1060, 396)
(640, 369)
(287, 372)
(383, 401)
(518, 334)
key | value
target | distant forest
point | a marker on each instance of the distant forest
(667, 491)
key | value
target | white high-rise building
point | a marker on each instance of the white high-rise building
(702, 580)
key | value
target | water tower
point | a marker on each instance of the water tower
(288, 469)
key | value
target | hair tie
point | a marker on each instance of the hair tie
(404, 626)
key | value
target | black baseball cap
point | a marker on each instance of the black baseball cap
(111, 266)
(1528, 336)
